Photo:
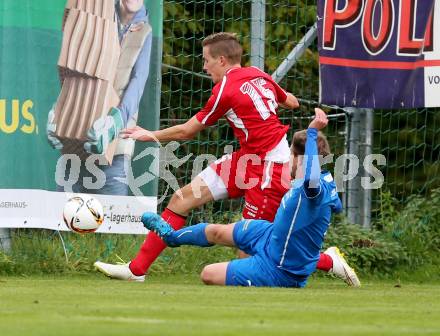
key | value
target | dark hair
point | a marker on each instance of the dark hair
(299, 143)
(224, 44)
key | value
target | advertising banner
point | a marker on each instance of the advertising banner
(45, 44)
(379, 53)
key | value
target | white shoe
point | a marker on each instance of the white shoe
(341, 268)
(120, 272)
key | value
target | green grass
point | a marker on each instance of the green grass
(181, 305)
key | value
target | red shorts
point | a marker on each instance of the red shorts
(262, 183)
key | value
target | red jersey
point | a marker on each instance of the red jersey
(248, 98)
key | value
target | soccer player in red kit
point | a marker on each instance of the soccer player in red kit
(259, 171)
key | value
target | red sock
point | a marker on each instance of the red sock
(325, 262)
(153, 245)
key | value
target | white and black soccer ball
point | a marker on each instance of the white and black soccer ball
(83, 214)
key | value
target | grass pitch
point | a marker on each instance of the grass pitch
(95, 305)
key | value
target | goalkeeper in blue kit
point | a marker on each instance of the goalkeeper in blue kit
(283, 253)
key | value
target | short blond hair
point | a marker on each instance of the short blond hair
(224, 44)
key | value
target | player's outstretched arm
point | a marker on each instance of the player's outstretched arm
(290, 103)
(184, 131)
(320, 121)
(312, 167)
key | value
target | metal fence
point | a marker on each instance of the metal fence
(280, 37)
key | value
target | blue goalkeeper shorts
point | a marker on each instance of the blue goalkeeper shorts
(260, 270)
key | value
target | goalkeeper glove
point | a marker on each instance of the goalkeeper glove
(50, 130)
(103, 131)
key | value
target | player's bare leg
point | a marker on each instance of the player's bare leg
(214, 274)
(191, 196)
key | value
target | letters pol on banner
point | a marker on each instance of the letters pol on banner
(379, 53)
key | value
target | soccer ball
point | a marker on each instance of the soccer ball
(83, 214)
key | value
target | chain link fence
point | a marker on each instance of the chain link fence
(407, 138)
